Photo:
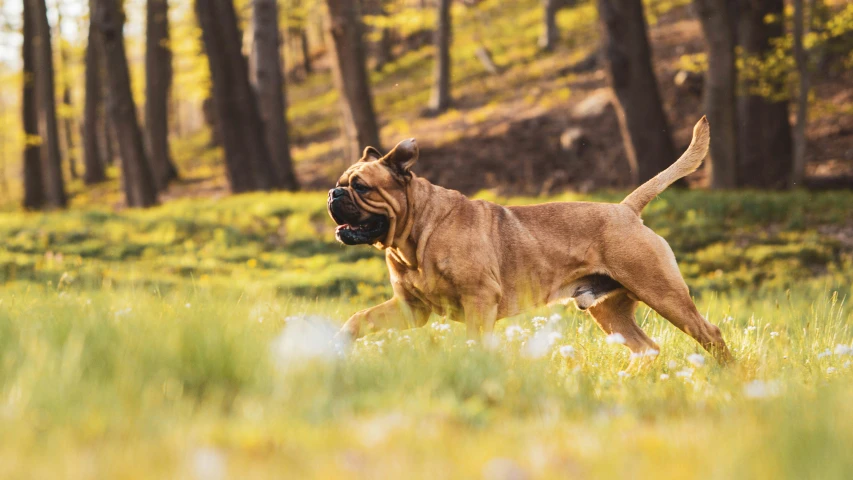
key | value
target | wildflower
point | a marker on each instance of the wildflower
(208, 463)
(187, 305)
(774, 334)
(824, 353)
(761, 389)
(748, 329)
(307, 339)
(671, 364)
(622, 374)
(554, 318)
(471, 343)
(553, 337)
(843, 350)
(697, 359)
(686, 373)
(664, 376)
(567, 351)
(830, 370)
(441, 327)
(512, 331)
(615, 338)
(538, 322)
(651, 353)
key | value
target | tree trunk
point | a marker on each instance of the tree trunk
(801, 58)
(765, 132)
(344, 30)
(272, 91)
(306, 52)
(645, 130)
(718, 23)
(139, 187)
(238, 119)
(33, 187)
(48, 129)
(551, 35)
(382, 46)
(158, 81)
(92, 154)
(67, 119)
(440, 98)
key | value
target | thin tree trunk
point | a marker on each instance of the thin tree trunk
(139, 187)
(550, 35)
(440, 98)
(306, 52)
(272, 91)
(33, 187)
(765, 132)
(237, 116)
(348, 65)
(158, 81)
(51, 167)
(67, 106)
(92, 155)
(801, 58)
(718, 23)
(645, 130)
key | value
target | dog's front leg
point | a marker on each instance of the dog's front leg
(395, 313)
(480, 312)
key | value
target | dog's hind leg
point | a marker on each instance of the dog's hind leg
(649, 271)
(615, 314)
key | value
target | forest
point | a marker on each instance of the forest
(171, 282)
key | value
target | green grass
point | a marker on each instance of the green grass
(163, 343)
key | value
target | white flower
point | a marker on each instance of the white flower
(748, 329)
(697, 359)
(441, 327)
(471, 343)
(556, 317)
(553, 337)
(824, 353)
(208, 464)
(379, 343)
(664, 376)
(761, 389)
(188, 305)
(615, 338)
(830, 370)
(580, 329)
(622, 374)
(306, 339)
(774, 334)
(407, 338)
(651, 352)
(512, 331)
(847, 364)
(671, 364)
(538, 345)
(686, 373)
(567, 351)
(843, 350)
(538, 322)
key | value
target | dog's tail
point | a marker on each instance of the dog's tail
(685, 165)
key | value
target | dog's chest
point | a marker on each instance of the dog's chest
(431, 288)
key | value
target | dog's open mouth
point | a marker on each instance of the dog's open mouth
(367, 231)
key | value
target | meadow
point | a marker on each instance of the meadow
(192, 341)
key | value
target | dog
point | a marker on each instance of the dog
(475, 261)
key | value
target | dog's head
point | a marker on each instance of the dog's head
(372, 195)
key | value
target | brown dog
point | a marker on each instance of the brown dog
(477, 262)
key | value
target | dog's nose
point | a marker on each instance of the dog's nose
(337, 192)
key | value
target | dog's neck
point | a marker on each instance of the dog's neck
(407, 249)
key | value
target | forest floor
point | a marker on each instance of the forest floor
(192, 340)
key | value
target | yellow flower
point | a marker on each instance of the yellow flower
(252, 263)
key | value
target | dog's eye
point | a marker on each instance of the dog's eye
(360, 187)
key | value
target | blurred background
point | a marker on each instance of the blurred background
(131, 103)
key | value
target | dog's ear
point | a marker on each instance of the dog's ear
(402, 157)
(370, 154)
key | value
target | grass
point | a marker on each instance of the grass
(191, 341)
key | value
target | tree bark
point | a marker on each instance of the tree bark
(765, 133)
(272, 90)
(67, 119)
(239, 122)
(158, 81)
(92, 155)
(51, 166)
(344, 30)
(718, 23)
(550, 35)
(306, 51)
(33, 187)
(801, 59)
(440, 98)
(645, 130)
(139, 187)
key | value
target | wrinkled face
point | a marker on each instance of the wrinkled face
(371, 195)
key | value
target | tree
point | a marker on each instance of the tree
(550, 35)
(718, 23)
(92, 157)
(51, 165)
(645, 130)
(344, 30)
(33, 187)
(271, 90)
(801, 59)
(139, 187)
(158, 81)
(67, 106)
(440, 98)
(237, 117)
(764, 133)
